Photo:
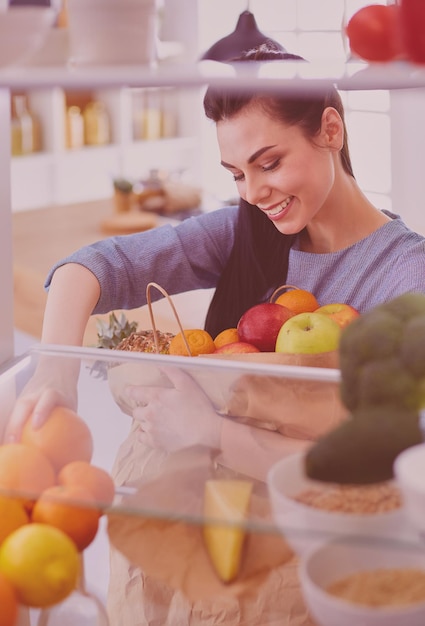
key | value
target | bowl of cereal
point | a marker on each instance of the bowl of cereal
(355, 582)
(409, 471)
(309, 512)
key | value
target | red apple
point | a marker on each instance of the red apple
(236, 347)
(261, 323)
(343, 314)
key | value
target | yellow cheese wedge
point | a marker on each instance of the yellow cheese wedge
(226, 500)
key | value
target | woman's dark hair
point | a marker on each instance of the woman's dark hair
(259, 258)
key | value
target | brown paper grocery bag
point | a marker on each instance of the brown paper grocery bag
(161, 570)
(296, 407)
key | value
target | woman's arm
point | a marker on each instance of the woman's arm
(252, 451)
(73, 294)
(172, 418)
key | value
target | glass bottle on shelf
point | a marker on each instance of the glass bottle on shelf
(138, 115)
(152, 114)
(16, 136)
(74, 128)
(96, 124)
(25, 128)
(62, 17)
(169, 112)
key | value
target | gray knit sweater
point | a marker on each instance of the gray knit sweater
(192, 255)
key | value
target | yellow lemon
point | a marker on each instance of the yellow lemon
(41, 562)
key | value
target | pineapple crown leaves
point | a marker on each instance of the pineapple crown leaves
(111, 333)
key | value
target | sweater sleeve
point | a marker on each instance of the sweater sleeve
(180, 258)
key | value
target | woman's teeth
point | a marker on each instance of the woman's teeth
(280, 207)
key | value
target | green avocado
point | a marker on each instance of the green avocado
(362, 449)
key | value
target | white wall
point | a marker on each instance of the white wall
(408, 156)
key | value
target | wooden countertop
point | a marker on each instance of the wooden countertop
(42, 237)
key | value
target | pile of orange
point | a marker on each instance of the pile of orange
(53, 495)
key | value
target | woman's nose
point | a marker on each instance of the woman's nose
(255, 192)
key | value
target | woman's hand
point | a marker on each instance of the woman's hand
(175, 418)
(54, 383)
(73, 293)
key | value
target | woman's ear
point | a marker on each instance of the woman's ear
(332, 129)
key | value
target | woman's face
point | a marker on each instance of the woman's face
(275, 167)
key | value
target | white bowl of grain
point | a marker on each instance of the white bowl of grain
(409, 471)
(309, 512)
(349, 582)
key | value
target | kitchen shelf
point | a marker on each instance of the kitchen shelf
(86, 174)
(56, 180)
(290, 76)
(62, 175)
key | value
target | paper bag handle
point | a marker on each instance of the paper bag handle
(279, 290)
(152, 317)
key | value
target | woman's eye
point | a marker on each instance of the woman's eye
(273, 166)
(238, 177)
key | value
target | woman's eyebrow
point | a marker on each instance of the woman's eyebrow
(259, 152)
(252, 158)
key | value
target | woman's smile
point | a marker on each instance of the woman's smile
(277, 211)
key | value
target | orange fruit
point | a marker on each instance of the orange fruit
(12, 516)
(63, 438)
(229, 335)
(64, 508)
(200, 342)
(8, 603)
(93, 478)
(42, 564)
(24, 471)
(298, 301)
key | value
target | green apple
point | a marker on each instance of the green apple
(308, 333)
(342, 313)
